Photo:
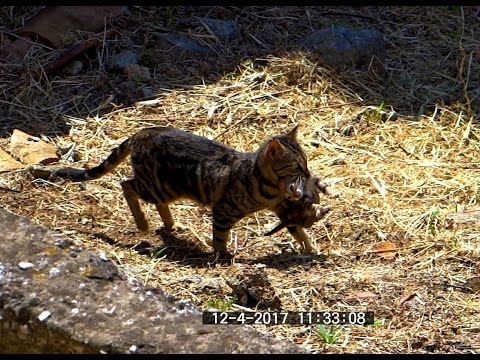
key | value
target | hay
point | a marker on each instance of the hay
(399, 178)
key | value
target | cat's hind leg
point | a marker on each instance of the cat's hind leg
(132, 198)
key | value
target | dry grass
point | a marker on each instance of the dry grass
(399, 178)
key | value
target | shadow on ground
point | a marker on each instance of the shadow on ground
(426, 65)
(181, 249)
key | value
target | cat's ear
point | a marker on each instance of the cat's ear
(274, 149)
(292, 134)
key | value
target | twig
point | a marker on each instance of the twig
(66, 56)
(11, 190)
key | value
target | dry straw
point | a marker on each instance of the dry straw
(399, 177)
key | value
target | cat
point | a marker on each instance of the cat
(169, 164)
(303, 213)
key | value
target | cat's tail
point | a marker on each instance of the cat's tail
(108, 165)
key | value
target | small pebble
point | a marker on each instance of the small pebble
(45, 314)
(107, 311)
(73, 68)
(53, 272)
(25, 265)
(137, 73)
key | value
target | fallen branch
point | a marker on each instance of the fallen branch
(65, 57)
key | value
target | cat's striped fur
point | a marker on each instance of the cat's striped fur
(303, 213)
(169, 164)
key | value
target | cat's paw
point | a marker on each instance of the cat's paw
(223, 257)
(179, 227)
(313, 252)
(176, 227)
(308, 249)
(142, 225)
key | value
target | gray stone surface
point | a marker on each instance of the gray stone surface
(339, 46)
(87, 306)
(121, 60)
(182, 45)
(224, 30)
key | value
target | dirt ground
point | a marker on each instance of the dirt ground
(402, 178)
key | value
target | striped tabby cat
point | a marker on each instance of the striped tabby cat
(169, 164)
(303, 213)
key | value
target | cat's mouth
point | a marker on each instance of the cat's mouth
(292, 189)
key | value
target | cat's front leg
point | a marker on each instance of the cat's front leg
(302, 239)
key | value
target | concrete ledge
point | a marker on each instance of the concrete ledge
(85, 305)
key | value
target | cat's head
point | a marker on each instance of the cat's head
(288, 162)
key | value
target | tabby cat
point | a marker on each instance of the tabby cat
(169, 164)
(303, 213)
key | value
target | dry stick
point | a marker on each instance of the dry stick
(235, 124)
(445, 284)
(69, 54)
(100, 60)
(242, 308)
(338, 147)
(465, 86)
(327, 233)
(406, 151)
(9, 190)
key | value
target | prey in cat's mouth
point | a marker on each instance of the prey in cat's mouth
(294, 190)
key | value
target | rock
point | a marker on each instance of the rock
(251, 285)
(73, 68)
(100, 269)
(121, 60)
(8, 163)
(129, 92)
(137, 73)
(31, 149)
(182, 45)
(147, 91)
(224, 30)
(342, 46)
(473, 284)
(88, 308)
(468, 217)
